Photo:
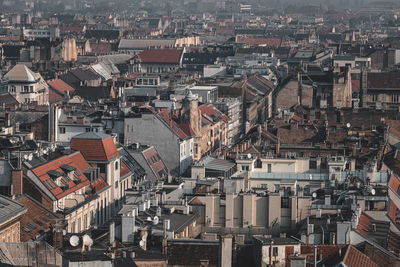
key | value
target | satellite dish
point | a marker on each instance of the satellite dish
(249, 156)
(74, 240)
(373, 192)
(141, 243)
(348, 125)
(149, 219)
(156, 220)
(87, 241)
(64, 232)
(314, 195)
(25, 157)
(30, 157)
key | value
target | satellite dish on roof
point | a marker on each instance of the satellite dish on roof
(87, 241)
(30, 157)
(373, 192)
(348, 125)
(64, 232)
(141, 243)
(74, 240)
(25, 157)
(249, 156)
(156, 220)
(314, 195)
(149, 219)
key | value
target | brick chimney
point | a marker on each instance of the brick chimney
(17, 182)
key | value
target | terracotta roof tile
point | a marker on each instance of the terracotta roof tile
(94, 147)
(37, 219)
(355, 258)
(164, 115)
(75, 160)
(165, 56)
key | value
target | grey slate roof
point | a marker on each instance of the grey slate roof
(9, 208)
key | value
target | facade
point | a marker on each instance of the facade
(10, 224)
(380, 90)
(232, 107)
(210, 126)
(26, 86)
(159, 60)
(174, 142)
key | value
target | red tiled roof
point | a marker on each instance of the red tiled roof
(57, 90)
(8, 101)
(75, 160)
(124, 170)
(37, 215)
(296, 118)
(355, 258)
(165, 56)
(95, 149)
(393, 213)
(61, 86)
(155, 162)
(99, 184)
(172, 124)
(395, 184)
(187, 129)
(260, 41)
(211, 111)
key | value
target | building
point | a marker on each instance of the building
(159, 60)
(174, 142)
(380, 90)
(10, 224)
(26, 86)
(274, 250)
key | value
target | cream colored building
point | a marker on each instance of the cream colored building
(26, 86)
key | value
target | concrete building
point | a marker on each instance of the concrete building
(174, 142)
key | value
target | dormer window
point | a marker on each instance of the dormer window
(69, 171)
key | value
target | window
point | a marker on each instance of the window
(276, 188)
(116, 165)
(395, 98)
(116, 184)
(62, 130)
(245, 168)
(26, 229)
(38, 222)
(374, 97)
(87, 129)
(284, 202)
(313, 164)
(31, 225)
(12, 89)
(275, 251)
(269, 168)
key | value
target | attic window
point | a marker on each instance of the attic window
(26, 229)
(54, 174)
(31, 225)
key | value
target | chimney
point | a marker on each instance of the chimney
(112, 233)
(7, 120)
(17, 182)
(58, 238)
(80, 120)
